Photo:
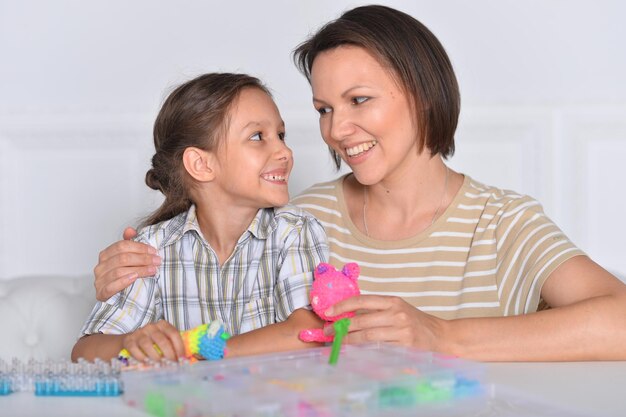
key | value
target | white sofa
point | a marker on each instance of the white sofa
(40, 317)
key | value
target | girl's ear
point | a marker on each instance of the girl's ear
(200, 164)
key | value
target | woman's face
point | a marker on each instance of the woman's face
(364, 115)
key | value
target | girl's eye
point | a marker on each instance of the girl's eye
(323, 110)
(359, 100)
(282, 135)
(257, 136)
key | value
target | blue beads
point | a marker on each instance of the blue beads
(5, 387)
(100, 389)
(61, 378)
(212, 347)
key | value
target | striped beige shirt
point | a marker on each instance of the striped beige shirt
(266, 278)
(487, 255)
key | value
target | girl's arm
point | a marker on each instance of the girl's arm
(303, 248)
(139, 343)
(103, 346)
(587, 321)
(275, 337)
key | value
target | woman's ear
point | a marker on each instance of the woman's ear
(200, 164)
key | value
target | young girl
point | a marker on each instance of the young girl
(228, 252)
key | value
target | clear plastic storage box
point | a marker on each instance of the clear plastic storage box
(372, 380)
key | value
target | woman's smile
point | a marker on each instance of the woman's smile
(360, 148)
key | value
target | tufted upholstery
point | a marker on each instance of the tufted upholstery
(40, 317)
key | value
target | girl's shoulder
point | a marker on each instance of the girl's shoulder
(157, 235)
(292, 215)
(293, 220)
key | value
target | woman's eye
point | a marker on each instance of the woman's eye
(323, 110)
(359, 100)
(257, 136)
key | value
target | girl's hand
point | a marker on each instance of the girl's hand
(122, 263)
(382, 318)
(141, 343)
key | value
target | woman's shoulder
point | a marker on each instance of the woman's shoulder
(475, 193)
(324, 200)
(321, 199)
(324, 190)
(489, 210)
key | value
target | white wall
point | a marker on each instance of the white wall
(543, 90)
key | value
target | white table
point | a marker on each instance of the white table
(594, 388)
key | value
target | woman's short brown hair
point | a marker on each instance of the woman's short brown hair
(416, 57)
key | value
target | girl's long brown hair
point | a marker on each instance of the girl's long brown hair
(195, 114)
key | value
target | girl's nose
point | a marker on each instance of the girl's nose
(283, 152)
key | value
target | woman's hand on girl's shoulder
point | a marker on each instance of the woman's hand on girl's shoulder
(120, 264)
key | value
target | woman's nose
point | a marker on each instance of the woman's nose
(340, 125)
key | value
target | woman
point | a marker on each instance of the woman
(449, 264)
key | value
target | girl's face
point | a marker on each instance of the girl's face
(364, 115)
(254, 163)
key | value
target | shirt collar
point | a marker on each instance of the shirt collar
(261, 226)
(263, 223)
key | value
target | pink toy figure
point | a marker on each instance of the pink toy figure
(329, 287)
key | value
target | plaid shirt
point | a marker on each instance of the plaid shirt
(266, 278)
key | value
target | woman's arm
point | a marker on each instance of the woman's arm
(587, 321)
(275, 337)
(120, 264)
